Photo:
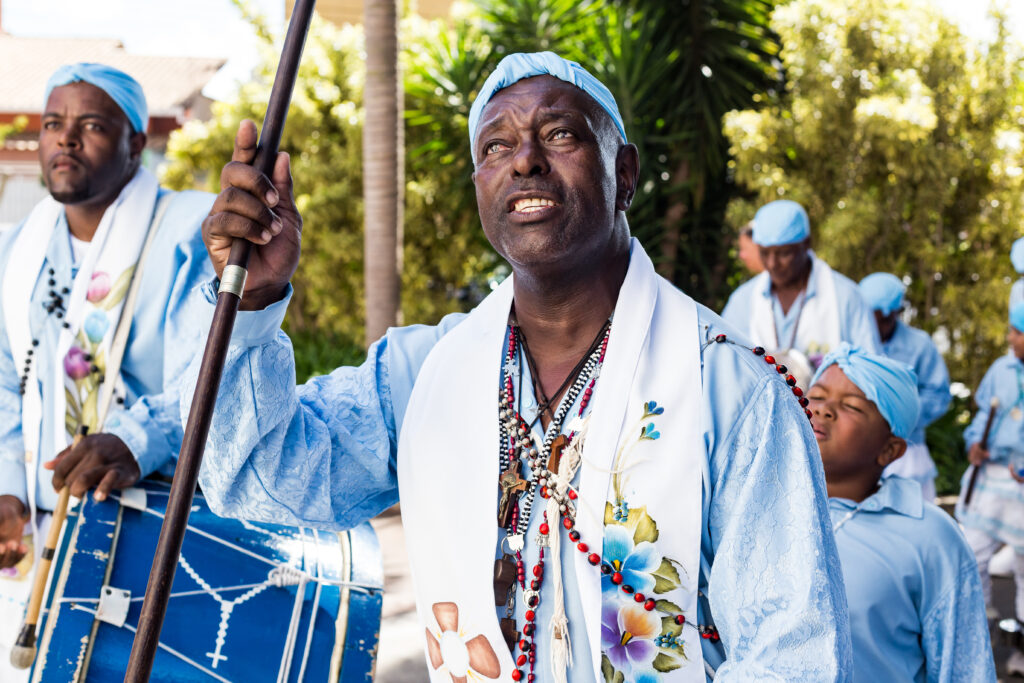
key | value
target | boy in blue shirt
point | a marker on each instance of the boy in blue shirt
(912, 586)
(995, 514)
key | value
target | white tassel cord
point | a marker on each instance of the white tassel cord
(561, 652)
(561, 648)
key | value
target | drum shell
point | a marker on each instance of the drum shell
(228, 617)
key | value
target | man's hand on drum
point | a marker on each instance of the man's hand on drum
(259, 209)
(100, 461)
(13, 517)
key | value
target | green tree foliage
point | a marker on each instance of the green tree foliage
(323, 136)
(901, 137)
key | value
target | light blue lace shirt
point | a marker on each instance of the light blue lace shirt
(915, 348)
(324, 455)
(916, 608)
(856, 322)
(150, 427)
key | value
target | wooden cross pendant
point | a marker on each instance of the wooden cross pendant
(557, 446)
(511, 486)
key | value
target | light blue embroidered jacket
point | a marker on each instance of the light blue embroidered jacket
(324, 455)
(913, 589)
(150, 426)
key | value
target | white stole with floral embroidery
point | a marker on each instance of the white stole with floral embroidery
(93, 309)
(640, 490)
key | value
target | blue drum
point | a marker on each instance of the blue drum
(250, 602)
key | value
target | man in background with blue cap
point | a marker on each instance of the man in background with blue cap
(799, 308)
(915, 600)
(595, 483)
(883, 293)
(995, 514)
(66, 271)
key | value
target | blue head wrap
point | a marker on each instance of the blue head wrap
(1017, 255)
(882, 292)
(888, 383)
(1017, 316)
(781, 222)
(516, 67)
(122, 88)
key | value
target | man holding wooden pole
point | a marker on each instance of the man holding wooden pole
(67, 272)
(596, 479)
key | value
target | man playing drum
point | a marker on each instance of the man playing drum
(66, 272)
(596, 482)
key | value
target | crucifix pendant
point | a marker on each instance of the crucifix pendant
(511, 486)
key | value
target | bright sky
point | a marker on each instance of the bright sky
(973, 19)
(214, 28)
(191, 28)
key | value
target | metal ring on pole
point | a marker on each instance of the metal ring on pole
(232, 280)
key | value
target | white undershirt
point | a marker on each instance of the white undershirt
(78, 249)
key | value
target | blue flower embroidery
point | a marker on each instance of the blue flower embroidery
(621, 512)
(646, 677)
(648, 432)
(666, 640)
(96, 325)
(651, 408)
(635, 562)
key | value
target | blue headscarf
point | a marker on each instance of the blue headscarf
(516, 67)
(1017, 316)
(882, 292)
(780, 222)
(888, 383)
(1017, 255)
(122, 88)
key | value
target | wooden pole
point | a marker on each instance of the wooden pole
(993, 407)
(24, 651)
(179, 502)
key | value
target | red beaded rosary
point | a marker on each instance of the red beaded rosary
(770, 360)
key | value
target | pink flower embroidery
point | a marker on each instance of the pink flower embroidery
(99, 286)
(449, 648)
(75, 363)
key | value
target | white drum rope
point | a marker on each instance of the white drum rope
(316, 603)
(170, 650)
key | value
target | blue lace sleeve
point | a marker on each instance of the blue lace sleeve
(776, 588)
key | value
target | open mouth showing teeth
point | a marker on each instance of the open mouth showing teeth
(531, 204)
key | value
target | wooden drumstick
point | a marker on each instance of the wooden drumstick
(24, 651)
(993, 407)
